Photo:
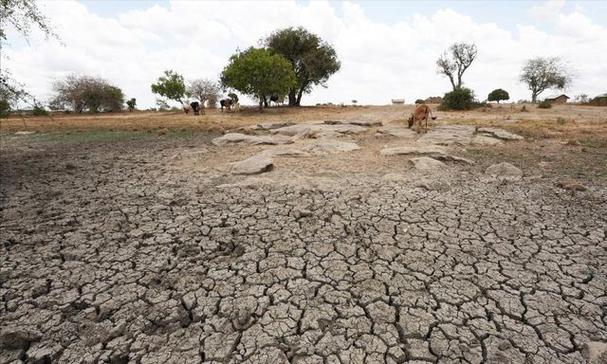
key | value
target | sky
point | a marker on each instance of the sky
(388, 49)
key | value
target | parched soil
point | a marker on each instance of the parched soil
(135, 246)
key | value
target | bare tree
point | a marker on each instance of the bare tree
(454, 62)
(85, 93)
(204, 90)
(541, 74)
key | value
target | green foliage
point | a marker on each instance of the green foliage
(39, 111)
(171, 86)
(5, 108)
(233, 96)
(22, 14)
(85, 93)
(541, 74)
(459, 99)
(498, 95)
(544, 105)
(259, 73)
(420, 101)
(312, 59)
(131, 104)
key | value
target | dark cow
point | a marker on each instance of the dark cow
(277, 100)
(196, 108)
(227, 103)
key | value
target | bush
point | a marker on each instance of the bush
(498, 95)
(420, 101)
(39, 111)
(459, 99)
(5, 109)
(544, 105)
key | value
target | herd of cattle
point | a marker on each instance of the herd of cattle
(420, 115)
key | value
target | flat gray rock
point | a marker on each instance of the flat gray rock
(427, 164)
(279, 151)
(328, 146)
(271, 126)
(448, 134)
(500, 133)
(318, 130)
(253, 165)
(504, 171)
(354, 122)
(398, 131)
(234, 138)
(415, 149)
(480, 139)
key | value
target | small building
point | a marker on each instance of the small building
(600, 100)
(557, 99)
(398, 101)
(434, 100)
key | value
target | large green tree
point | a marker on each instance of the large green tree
(541, 74)
(171, 85)
(312, 59)
(259, 73)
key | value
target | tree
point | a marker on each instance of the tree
(171, 86)
(313, 60)
(162, 105)
(259, 73)
(454, 62)
(498, 95)
(21, 15)
(459, 99)
(582, 99)
(131, 104)
(86, 93)
(204, 90)
(541, 74)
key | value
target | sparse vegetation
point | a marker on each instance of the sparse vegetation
(544, 105)
(540, 74)
(459, 99)
(85, 93)
(454, 62)
(39, 111)
(420, 101)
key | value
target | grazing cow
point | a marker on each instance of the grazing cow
(196, 108)
(422, 112)
(227, 103)
(186, 107)
(277, 100)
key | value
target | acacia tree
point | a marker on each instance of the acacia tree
(454, 62)
(85, 93)
(204, 90)
(131, 104)
(171, 86)
(541, 74)
(259, 73)
(313, 60)
(21, 15)
(498, 95)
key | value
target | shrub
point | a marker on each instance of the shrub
(498, 95)
(39, 111)
(459, 99)
(544, 105)
(5, 108)
(420, 101)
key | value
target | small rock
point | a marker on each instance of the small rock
(24, 132)
(253, 165)
(427, 164)
(571, 185)
(500, 133)
(504, 171)
(420, 149)
(17, 338)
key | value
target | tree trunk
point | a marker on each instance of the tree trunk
(299, 94)
(292, 98)
(534, 97)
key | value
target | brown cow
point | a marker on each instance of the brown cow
(422, 112)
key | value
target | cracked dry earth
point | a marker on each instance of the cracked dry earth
(115, 255)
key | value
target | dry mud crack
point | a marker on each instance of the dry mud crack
(121, 257)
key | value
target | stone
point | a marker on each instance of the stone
(398, 131)
(12, 338)
(324, 146)
(485, 140)
(448, 134)
(499, 133)
(289, 152)
(427, 164)
(24, 132)
(232, 138)
(504, 171)
(433, 150)
(319, 130)
(253, 165)
(270, 126)
(354, 122)
(571, 185)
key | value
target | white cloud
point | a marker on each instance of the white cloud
(379, 61)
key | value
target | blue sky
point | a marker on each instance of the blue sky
(388, 49)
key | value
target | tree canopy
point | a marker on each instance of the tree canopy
(203, 90)
(85, 93)
(313, 60)
(498, 95)
(541, 74)
(170, 85)
(259, 73)
(456, 61)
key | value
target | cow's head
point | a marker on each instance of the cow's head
(410, 120)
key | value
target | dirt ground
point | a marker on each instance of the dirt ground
(126, 238)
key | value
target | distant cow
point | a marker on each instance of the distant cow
(227, 103)
(195, 105)
(422, 112)
(277, 99)
(186, 107)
